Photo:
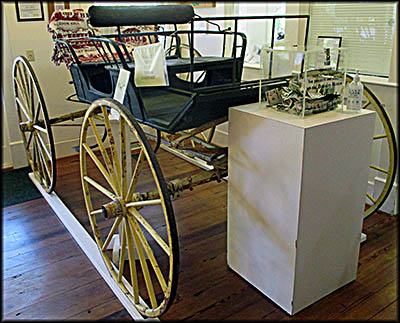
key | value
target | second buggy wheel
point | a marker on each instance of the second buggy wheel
(387, 139)
(127, 200)
(34, 124)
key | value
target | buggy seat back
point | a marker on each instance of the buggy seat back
(72, 33)
(72, 28)
(106, 16)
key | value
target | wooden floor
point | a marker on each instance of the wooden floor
(47, 276)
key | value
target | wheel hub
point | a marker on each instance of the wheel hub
(26, 126)
(114, 208)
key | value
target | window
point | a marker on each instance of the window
(366, 28)
(259, 32)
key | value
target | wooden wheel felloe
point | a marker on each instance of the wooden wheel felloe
(127, 200)
(34, 124)
(388, 142)
(384, 134)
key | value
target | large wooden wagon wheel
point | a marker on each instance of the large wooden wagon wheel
(388, 141)
(385, 134)
(34, 124)
(126, 196)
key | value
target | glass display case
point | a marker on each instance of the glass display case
(312, 80)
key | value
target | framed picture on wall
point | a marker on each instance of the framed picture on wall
(329, 41)
(56, 5)
(200, 4)
(29, 11)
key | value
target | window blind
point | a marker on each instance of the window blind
(366, 28)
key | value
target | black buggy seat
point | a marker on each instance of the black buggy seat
(185, 103)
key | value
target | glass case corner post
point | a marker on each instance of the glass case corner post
(265, 72)
(305, 83)
(342, 63)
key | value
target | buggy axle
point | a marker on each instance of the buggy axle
(177, 186)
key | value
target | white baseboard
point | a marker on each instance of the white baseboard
(18, 154)
(63, 149)
(6, 160)
(391, 205)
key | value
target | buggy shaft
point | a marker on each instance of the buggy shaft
(69, 116)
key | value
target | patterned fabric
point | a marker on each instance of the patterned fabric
(73, 23)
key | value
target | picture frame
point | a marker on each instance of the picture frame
(200, 4)
(29, 11)
(56, 5)
(331, 42)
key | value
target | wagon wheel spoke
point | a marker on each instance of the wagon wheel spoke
(40, 173)
(34, 123)
(41, 141)
(366, 104)
(386, 140)
(44, 167)
(28, 142)
(122, 253)
(380, 169)
(144, 245)
(135, 176)
(150, 230)
(99, 187)
(122, 144)
(370, 197)
(35, 160)
(22, 84)
(111, 233)
(100, 166)
(116, 162)
(132, 264)
(139, 210)
(20, 89)
(40, 128)
(42, 148)
(110, 170)
(35, 119)
(145, 269)
(24, 109)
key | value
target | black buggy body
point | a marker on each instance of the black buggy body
(187, 102)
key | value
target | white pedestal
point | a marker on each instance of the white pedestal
(296, 196)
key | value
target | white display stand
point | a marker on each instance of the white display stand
(296, 196)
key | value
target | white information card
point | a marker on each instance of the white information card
(120, 90)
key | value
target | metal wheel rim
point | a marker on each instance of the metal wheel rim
(39, 139)
(129, 219)
(388, 136)
(392, 148)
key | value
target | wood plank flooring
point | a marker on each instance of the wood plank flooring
(47, 276)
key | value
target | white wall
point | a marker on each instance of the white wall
(6, 161)
(53, 80)
(5, 143)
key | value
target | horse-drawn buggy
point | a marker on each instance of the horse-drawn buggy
(123, 186)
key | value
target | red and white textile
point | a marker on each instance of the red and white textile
(73, 23)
